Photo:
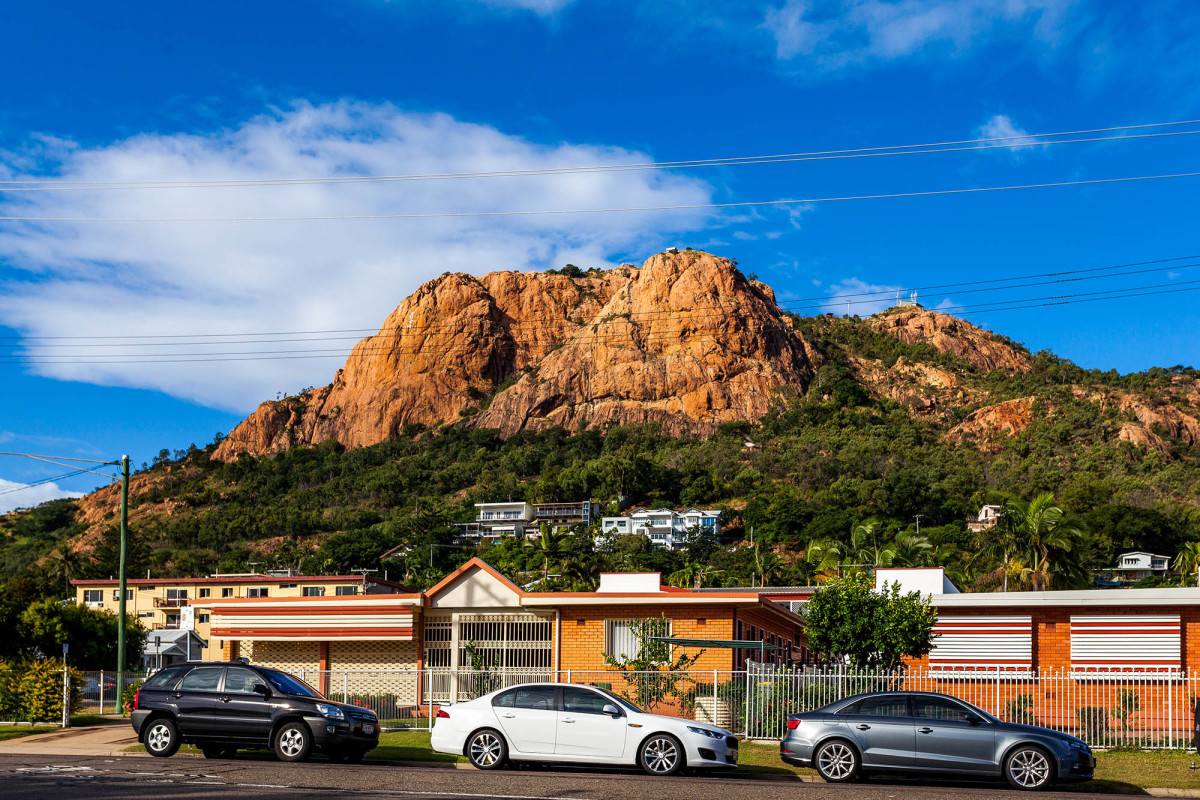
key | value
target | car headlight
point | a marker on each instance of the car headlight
(705, 732)
(1077, 745)
(330, 712)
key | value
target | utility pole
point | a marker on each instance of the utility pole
(919, 523)
(121, 587)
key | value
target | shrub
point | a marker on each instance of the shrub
(127, 695)
(10, 700)
(1093, 722)
(1020, 709)
(32, 690)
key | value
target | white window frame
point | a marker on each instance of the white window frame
(93, 597)
(618, 630)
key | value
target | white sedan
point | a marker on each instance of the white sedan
(580, 725)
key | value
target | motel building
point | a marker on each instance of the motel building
(428, 645)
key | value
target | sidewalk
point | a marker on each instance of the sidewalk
(94, 740)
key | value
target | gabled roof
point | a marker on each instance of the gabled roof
(474, 563)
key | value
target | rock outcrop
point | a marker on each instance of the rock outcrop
(686, 341)
(985, 426)
(952, 335)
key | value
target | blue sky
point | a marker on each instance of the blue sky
(236, 91)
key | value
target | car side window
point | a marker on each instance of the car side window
(536, 697)
(239, 680)
(161, 678)
(202, 679)
(940, 708)
(891, 705)
(852, 708)
(505, 699)
(581, 701)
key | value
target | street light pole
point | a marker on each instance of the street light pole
(121, 588)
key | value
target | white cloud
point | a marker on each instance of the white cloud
(72, 279)
(15, 495)
(544, 8)
(1015, 138)
(864, 298)
(832, 36)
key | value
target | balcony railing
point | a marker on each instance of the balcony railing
(170, 602)
(165, 626)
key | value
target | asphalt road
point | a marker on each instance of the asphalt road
(82, 778)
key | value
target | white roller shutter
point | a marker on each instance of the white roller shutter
(983, 643)
(1125, 643)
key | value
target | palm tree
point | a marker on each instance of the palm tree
(865, 549)
(1187, 563)
(767, 563)
(911, 550)
(549, 544)
(1036, 534)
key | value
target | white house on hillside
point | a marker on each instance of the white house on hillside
(664, 526)
(987, 518)
(1134, 566)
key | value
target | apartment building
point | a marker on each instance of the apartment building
(170, 604)
(521, 519)
(664, 527)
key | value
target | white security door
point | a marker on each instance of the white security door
(529, 717)
(585, 730)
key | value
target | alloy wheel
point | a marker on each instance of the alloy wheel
(159, 738)
(1029, 768)
(291, 742)
(836, 761)
(661, 755)
(485, 750)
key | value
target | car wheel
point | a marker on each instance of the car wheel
(661, 754)
(1028, 767)
(162, 737)
(837, 761)
(486, 750)
(293, 742)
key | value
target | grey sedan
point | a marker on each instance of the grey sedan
(930, 733)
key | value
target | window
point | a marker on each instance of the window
(290, 684)
(540, 698)
(257, 591)
(241, 681)
(95, 596)
(227, 593)
(342, 591)
(987, 643)
(852, 708)
(145, 614)
(146, 588)
(205, 593)
(177, 594)
(888, 705)
(202, 618)
(620, 640)
(287, 586)
(940, 708)
(172, 619)
(314, 591)
(202, 679)
(1125, 643)
(161, 678)
(581, 701)
(116, 595)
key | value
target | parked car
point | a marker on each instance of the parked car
(221, 707)
(930, 733)
(570, 723)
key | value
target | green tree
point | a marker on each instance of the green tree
(45, 626)
(846, 619)
(651, 674)
(1187, 562)
(1038, 533)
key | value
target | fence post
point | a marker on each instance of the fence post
(429, 690)
(345, 687)
(747, 726)
(568, 676)
(714, 711)
(102, 692)
(66, 697)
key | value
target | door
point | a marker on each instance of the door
(196, 696)
(884, 730)
(584, 730)
(953, 737)
(241, 713)
(528, 715)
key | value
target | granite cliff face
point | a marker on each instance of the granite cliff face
(952, 335)
(686, 341)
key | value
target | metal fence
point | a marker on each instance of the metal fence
(101, 690)
(1146, 710)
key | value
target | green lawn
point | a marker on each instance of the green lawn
(407, 746)
(17, 731)
(1159, 769)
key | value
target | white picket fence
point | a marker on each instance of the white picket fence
(1150, 711)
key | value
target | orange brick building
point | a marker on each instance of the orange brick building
(477, 620)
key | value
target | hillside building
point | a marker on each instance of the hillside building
(1133, 567)
(988, 517)
(664, 527)
(520, 519)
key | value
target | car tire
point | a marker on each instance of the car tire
(837, 761)
(161, 737)
(661, 754)
(293, 742)
(1029, 768)
(486, 749)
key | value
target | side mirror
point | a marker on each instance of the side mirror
(611, 710)
(261, 688)
(973, 719)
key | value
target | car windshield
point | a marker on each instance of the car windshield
(290, 684)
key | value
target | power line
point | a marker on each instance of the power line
(1059, 276)
(562, 212)
(62, 458)
(26, 486)
(1065, 299)
(1021, 140)
(1033, 141)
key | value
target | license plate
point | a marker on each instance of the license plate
(368, 729)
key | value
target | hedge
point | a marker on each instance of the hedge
(32, 691)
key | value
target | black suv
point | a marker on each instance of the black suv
(220, 707)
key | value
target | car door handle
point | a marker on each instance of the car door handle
(924, 730)
(864, 727)
(177, 695)
(509, 716)
(569, 721)
(224, 699)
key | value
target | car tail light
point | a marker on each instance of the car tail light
(136, 695)
(443, 714)
(794, 723)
